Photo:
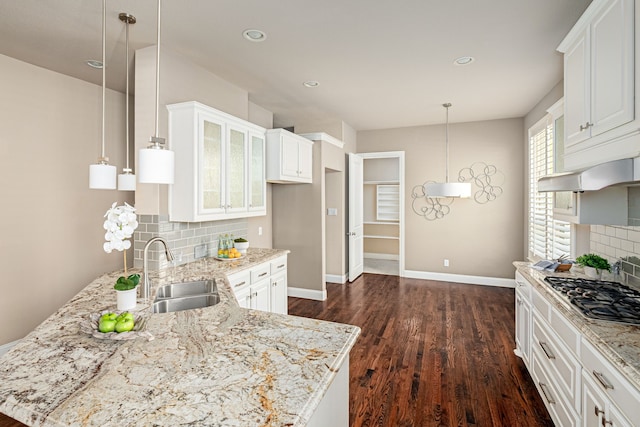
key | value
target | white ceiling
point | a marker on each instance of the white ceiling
(380, 63)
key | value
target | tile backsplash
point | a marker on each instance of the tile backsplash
(182, 238)
(618, 243)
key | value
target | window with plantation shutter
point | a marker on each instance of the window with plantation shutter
(548, 238)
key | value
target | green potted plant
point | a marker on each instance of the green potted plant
(126, 291)
(593, 265)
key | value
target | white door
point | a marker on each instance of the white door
(356, 248)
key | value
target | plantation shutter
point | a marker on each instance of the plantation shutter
(548, 238)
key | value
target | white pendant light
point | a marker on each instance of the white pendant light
(156, 163)
(448, 189)
(127, 180)
(102, 176)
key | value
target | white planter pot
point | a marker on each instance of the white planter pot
(126, 300)
(241, 247)
(592, 273)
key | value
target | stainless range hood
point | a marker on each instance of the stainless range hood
(592, 179)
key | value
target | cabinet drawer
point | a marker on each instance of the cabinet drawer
(567, 333)
(559, 409)
(562, 366)
(260, 272)
(540, 303)
(278, 265)
(609, 379)
(239, 280)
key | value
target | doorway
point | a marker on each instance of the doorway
(382, 210)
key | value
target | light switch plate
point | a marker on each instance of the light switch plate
(200, 251)
(332, 211)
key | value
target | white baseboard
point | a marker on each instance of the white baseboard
(307, 293)
(334, 278)
(6, 347)
(461, 278)
(374, 255)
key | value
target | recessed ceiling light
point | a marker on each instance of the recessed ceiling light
(464, 60)
(94, 63)
(254, 35)
(311, 83)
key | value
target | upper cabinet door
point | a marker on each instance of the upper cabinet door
(257, 178)
(212, 198)
(290, 156)
(237, 170)
(612, 67)
(305, 160)
(576, 87)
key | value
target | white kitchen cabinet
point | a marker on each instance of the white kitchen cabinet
(578, 385)
(289, 157)
(523, 319)
(599, 411)
(262, 287)
(219, 165)
(333, 409)
(600, 85)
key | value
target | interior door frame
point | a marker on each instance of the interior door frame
(399, 155)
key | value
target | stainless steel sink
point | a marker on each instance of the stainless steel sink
(170, 305)
(178, 290)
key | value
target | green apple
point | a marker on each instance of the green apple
(124, 325)
(107, 325)
(124, 316)
(108, 316)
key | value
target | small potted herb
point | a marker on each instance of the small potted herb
(241, 245)
(126, 291)
(593, 265)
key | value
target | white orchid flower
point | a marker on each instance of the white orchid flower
(120, 223)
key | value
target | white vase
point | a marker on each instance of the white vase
(592, 273)
(241, 247)
(126, 300)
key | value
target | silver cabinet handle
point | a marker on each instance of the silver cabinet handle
(585, 126)
(597, 411)
(603, 380)
(543, 387)
(280, 266)
(239, 284)
(262, 274)
(545, 347)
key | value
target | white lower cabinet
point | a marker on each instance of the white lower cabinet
(333, 409)
(259, 289)
(578, 385)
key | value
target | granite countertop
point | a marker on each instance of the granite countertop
(218, 366)
(618, 343)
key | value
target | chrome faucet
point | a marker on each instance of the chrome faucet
(168, 254)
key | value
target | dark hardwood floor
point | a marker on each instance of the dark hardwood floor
(430, 354)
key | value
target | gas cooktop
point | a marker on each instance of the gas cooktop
(601, 300)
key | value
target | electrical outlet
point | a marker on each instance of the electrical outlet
(446, 263)
(200, 251)
(259, 231)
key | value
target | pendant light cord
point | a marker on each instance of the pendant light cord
(446, 142)
(126, 110)
(104, 71)
(158, 69)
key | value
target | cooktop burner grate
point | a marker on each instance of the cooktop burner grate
(601, 300)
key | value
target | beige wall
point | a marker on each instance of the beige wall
(477, 239)
(299, 220)
(50, 221)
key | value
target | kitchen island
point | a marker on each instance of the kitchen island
(216, 366)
